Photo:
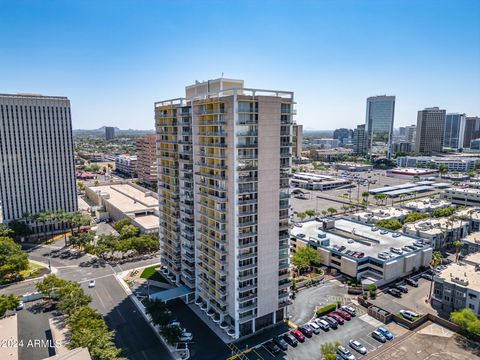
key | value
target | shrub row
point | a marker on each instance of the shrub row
(326, 309)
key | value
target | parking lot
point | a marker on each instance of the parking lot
(358, 328)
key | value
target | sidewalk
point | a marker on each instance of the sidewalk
(9, 338)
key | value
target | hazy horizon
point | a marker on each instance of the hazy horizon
(114, 59)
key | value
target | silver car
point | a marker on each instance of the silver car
(357, 346)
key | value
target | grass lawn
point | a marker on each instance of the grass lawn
(32, 270)
(152, 274)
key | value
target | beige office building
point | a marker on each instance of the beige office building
(224, 157)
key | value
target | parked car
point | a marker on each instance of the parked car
(290, 339)
(387, 334)
(337, 318)
(394, 292)
(410, 315)
(305, 330)
(315, 328)
(272, 347)
(402, 288)
(427, 276)
(280, 342)
(343, 314)
(49, 306)
(357, 346)
(358, 255)
(349, 309)
(298, 335)
(345, 353)
(374, 228)
(331, 322)
(91, 284)
(383, 232)
(323, 324)
(396, 250)
(411, 282)
(186, 336)
(378, 336)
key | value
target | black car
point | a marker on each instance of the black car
(395, 292)
(427, 276)
(412, 282)
(49, 306)
(290, 340)
(272, 347)
(305, 330)
(402, 288)
(282, 344)
(331, 321)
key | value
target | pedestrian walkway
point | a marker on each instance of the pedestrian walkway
(9, 338)
(371, 321)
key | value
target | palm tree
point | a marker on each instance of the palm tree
(458, 245)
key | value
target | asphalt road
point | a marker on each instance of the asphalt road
(133, 334)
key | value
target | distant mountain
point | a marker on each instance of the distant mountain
(118, 132)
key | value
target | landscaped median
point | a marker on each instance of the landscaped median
(325, 310)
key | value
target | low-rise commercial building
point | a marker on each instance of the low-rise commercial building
(454, 163)
(124, 200)
(313, 181)
(410, 173)
(462, 196)
(472, 215)
(426, 205)
(374, 215)
(356, 250)
(351, 166)
(457, 287)
(440, 232)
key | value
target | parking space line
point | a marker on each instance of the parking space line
(292, 324)
(365, 340)
(259, 356)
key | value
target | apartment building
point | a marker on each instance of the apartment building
(224, 157)
(36, 153)
(439, 232)
(430, 130)
(359, 140)
(147, 160)
(297, 134)
(472, 130)
(126, 165)
(109, 133)
(458, 287)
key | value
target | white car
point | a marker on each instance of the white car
(357, 346)
(91, 284)
(409, 314)
(349, 309)
(345, 353)
(374, 228)
(20, 305)
(314, 326)
(323, 324)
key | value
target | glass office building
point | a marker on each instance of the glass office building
(454, 131)
(379, 125)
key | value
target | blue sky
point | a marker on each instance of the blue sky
(113, 59)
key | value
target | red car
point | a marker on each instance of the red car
(298, 335)
(343, 314)
(339, 319)
(358, 255)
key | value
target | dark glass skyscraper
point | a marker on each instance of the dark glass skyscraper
(454, 131)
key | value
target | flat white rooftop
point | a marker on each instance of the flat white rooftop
(127, 198)
(463, 275)
(372, 242)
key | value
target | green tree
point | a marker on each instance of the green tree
(5, 231)
(445, 212)
(310, 213)
(380, 199)
(467, 320)
(443, 169)
(81, 186)
(301, 215)
(50, 285)
(20, 228)
(365, 196)
(304, 257)
(8, 302)
(82, 239)
(72, 297)
(415, 216)
(12, 259)
(129, 231)
(392, 224)
(329, 350)
(332, 210)
(437, 258)
(159, 312)
(171, 333)
(118, 225)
